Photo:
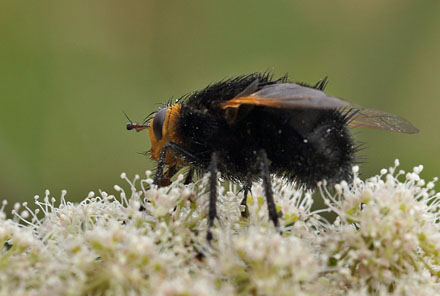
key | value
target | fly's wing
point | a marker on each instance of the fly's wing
(287, 95)
(295, 96)
(377, 119)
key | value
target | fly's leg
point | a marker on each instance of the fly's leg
(246, 189)
(158, 178)
(160, 165)
(212, 214)
(189, 176)
(265, 175)
(168, 175)
(163, 181)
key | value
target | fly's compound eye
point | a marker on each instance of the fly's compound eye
(158, 121)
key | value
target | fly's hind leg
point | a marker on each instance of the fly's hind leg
(212, 214)
(246, 190)
(265, 175)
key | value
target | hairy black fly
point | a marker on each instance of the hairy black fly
(252, 126)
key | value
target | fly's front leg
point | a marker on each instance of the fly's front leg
(166, 181)
(212, 214)
(265, 175)
(160, 165)
(189, 176)
(158, 178)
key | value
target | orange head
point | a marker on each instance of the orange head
(162, 129)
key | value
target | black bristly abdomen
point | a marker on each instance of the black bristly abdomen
(311, 146)
(304, 146)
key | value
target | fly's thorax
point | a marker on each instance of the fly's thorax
(162, 130)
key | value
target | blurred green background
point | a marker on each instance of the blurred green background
(68, 70)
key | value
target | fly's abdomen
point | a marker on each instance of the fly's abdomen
(312, 146)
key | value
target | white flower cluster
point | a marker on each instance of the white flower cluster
(152, 241)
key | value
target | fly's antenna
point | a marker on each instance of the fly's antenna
(134, 125)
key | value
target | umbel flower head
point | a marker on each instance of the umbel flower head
(386, 229)
(385, 240)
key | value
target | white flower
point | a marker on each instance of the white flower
(149, 240)
(388, 230)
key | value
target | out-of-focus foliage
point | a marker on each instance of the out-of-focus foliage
(68, 70)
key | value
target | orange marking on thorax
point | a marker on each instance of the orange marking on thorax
(252, 100)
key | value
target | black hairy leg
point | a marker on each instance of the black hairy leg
(168, 175)
(160, 165)
(265, 175)
(212, 214)
(246, 190)
(158, 178)
(164, 180)
(189, 176)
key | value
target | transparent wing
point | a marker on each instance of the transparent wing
(377, 119)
